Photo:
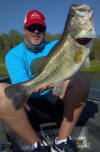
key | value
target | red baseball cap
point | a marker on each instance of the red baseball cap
(34, 17)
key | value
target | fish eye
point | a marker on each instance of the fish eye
(83, 41)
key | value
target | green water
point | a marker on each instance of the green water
(94, 79)
(93, 76)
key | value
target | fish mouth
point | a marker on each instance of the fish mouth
(83, 41)
(86, 38)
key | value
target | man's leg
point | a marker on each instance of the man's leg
(76, 93)
(16, 120)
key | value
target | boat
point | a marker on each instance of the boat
(86, 134)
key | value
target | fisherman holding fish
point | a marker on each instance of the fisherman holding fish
(22, 63)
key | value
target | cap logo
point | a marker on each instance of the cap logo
(35, 15)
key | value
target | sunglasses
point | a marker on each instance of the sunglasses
(38, 27)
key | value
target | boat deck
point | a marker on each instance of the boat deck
(86, 133)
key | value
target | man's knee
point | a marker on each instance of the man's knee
(81, 79)
(81, 82)
(2, 87)
(2, 94)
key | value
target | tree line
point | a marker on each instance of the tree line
(13, 38)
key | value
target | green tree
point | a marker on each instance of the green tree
(1, 46)
(15, 38)
(5, 44)
(50, 37)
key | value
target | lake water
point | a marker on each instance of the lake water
(94, 92)
(94, 79)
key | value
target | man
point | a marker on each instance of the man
(74, 92)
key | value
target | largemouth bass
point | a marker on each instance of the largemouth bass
(64, 59)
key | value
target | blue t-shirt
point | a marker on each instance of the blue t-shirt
(18, 62)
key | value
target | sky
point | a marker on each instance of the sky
(12, 13)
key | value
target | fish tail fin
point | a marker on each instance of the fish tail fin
(18, 94)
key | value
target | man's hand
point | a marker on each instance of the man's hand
(38, 91)
(65, 87)
(43, 89)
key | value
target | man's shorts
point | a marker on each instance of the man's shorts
(43, 110)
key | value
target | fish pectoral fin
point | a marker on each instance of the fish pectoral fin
(37, 65)
(86, 63)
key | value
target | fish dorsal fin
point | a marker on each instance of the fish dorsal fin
(37, 65)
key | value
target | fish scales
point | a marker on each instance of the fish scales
(64, 59)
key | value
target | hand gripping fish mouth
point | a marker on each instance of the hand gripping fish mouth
(63, 60)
